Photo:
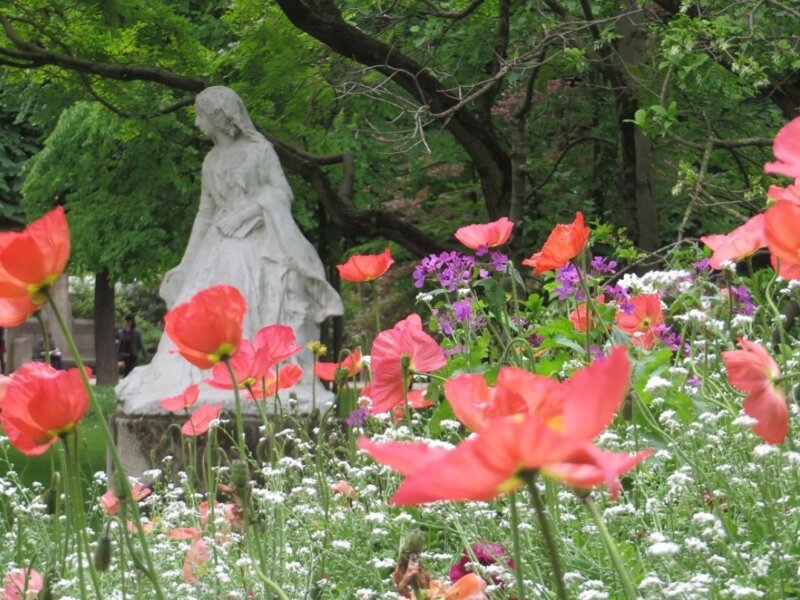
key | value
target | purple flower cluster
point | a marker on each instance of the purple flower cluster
(357, 417)
(568, 279)
(620, 295)
(669, 338)
(743, 301)
(602, 266)
(453, 269)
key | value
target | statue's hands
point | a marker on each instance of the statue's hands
(229, 224)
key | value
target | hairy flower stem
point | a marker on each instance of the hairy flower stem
(240, 444)
(624, 575)
(520, 583)
(116, 459)
(547, 535)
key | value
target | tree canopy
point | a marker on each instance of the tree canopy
(403, 120)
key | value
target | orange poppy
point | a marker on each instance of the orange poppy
(40, 404)
(753, 371)
(782, 230)
(30, 261)
(327, 370)
(365, 267)
(564, 243)
(643, 321)
(469, 587)
(487, 235)
(208, 327)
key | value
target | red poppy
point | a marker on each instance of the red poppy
(286, 377)
(782, 230)
(643, 321)
(201, 419)
(564, 243)
(208, 327)
(40, 404)
(110, 503)
(753, 371)
(351, 363)
(406, 338)
(486, 235)
(786, 149)
(739, 243)
(365, 267)
(31, 261)
(183, 400)
(343, 488)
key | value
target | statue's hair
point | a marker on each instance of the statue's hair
(223, 102)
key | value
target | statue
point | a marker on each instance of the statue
(243, 235)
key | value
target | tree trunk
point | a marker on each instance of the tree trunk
(636, 163)
(105, 351)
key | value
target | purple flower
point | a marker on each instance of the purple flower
(602, 267)
(535, 340)
(486, 554)
(743, 300)
(568, 280)
(499, 261)
(481, 250)
(596, 352)
(693, 381)
(457, 349)
(462, 310)
(702, 265)
(670, 339)
(357, 417)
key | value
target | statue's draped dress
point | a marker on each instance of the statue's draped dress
(267, 258)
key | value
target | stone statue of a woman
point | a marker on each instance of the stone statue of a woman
(244, 235)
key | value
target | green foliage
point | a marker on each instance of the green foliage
(128, 201)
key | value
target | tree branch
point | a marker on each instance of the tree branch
(435, 11)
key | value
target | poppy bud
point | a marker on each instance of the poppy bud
(102, 553)
(119, 487)
(405, 362)
(413, 542)
(166, 441)
(240, 475)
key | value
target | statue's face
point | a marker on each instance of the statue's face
(203, 121)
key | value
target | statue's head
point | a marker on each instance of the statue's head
(219, 109)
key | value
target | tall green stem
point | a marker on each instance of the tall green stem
(627, 581)
(547, 534)
(517, 548)
(237, 411)
(115, 456)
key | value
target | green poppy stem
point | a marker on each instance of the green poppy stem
(517, 548)
(547, 535)
(110, 445)
(619, 565)
(240, 443)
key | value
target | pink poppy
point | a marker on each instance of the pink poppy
(110, 503)
(287, 377)
(790, 192)
(195, 562)
(486, 235)
(22, 584)
(273, 344)
(183, 400)
(201, 419)
(753, 371)
(405, 338)
(786, 149)
(642, 323)
(343, 488)
(739, 243)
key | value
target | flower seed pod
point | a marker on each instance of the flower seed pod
(102, 553)
(240, 475)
